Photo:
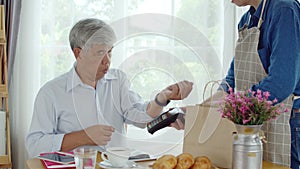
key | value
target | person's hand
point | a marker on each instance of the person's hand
(177, 124)
(99, 134)
(178, 90)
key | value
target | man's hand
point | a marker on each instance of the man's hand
(94, 135)
(178, 124)
(177, 91)
(99, 134)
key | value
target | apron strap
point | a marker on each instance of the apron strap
(261, 14)
(296, 97)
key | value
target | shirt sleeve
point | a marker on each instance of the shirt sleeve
(43, 136)
(283, 72)
(134, 108)
(229, 79)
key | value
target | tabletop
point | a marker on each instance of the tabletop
(35, 163)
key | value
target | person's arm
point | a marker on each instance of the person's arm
(138, 112)
(43, 136)
(75, 139)
(175, 91)
(229, 79)
(284, 46)
(94, 135)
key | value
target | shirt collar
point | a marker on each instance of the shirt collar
(73, 79)
(254, 12)
(254, 15)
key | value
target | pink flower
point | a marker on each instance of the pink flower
(246, 120)
(266, 94)
(269, 103)
(250, 107)
(258, 92)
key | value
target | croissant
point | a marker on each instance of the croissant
(184, 161)
(202, 163)
(165, 162)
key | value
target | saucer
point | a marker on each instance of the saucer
(107, 165)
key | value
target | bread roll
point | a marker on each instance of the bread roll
(165, 162)
(201, 163)
(184, 161)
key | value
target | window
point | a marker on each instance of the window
(168, 40)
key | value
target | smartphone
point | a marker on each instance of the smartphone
(165, 119)
(62, 158)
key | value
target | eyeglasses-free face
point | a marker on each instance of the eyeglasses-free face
(95, 59)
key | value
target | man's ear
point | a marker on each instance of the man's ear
(76, 52)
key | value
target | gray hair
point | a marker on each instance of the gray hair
(90, 31)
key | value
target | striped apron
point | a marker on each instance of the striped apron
(248, 71)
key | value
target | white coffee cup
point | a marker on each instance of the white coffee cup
(116, 156)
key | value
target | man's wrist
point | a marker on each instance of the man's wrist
(162, 104)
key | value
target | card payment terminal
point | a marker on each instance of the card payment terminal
(165, 119)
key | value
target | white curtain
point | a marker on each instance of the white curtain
(43, 51)
(25, 78)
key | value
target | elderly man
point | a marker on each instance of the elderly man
(89, 105)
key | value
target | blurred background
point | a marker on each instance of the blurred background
(159, 43)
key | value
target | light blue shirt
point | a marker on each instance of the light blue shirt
(65, 104)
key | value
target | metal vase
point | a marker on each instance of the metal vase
(247, 147)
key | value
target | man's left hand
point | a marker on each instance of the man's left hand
(178, 91)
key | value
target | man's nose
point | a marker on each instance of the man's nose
(106, 59)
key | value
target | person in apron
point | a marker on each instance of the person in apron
(267, 57)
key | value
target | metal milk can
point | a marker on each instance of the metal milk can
(247, 147)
